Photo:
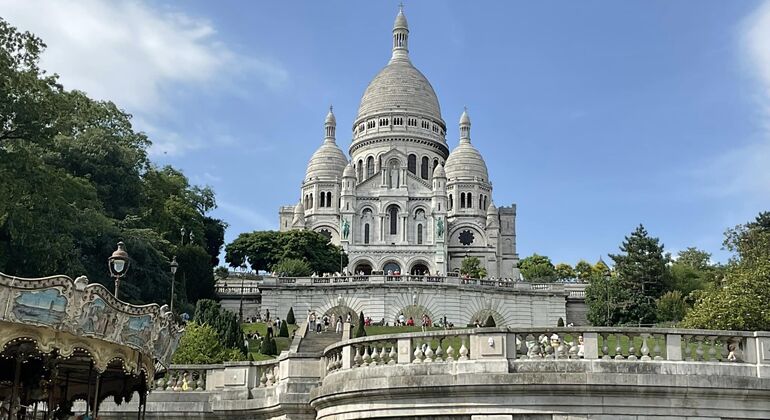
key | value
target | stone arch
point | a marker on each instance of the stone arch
(340, 310)
(419, 267)
(361, 264)
(323, 228)
(481, 315)
(392, 265)
(476, 238)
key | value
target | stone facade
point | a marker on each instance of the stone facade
(403, 202)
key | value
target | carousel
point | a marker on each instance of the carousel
(64, 341)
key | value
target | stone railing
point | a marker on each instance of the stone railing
(521, 344)
(218, 377)
(234, 287)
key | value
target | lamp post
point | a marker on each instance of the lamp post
(174, 266)
(118, 264)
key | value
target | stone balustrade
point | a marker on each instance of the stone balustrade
(585, 372)
(230, 287)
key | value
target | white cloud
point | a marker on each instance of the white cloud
(135, 54)
(745, 170)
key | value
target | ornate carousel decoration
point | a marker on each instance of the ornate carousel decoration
(63, 340)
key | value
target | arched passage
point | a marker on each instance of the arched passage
(420, 268)
(391, 267)
(363, 267)
(343, 311)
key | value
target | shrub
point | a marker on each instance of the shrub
(284, 332)
(560, 322)
(360, 331)
(671, 307)
(293, 267)
(490, 322)
(290, 317)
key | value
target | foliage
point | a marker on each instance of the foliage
(290, 317)
(360, 330)
(265, 249)
(671, 307)
(564, 272)
(740, 303)
(200, 344)
(605, 299)
(292, 267)
(584, 271)
(224, 322)
(284, 332)
(490, 322)
(694, 258)
(643, 273)
(537, 268)
(269, 346)
(560, 322)
(471, 267)
(76, 179)
(601, 268)
(221, 272)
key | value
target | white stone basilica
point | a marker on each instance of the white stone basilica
(404, 203)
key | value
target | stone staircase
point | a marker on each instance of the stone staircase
(316, 343)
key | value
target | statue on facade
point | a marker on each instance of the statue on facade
(345, 228)
(440, 228)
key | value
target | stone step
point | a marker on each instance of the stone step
(315, 343)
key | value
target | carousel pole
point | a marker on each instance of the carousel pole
(96, 395)
(13, 408)
(88, 393)
(144, 408)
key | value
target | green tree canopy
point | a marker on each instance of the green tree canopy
(292, 267)
(537, 268)
(564, 272)
(200, 344)
(584, 271)
(642, 271)
(76, 179)
(471, 267)
(265, 249)
(740, 301)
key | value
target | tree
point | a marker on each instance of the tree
(671, 307)
(284, 332)
(225, 323)
(292, 267)
(471, 267)
(642, 271)
(490, 322)
(200, 344)
(584, 271)
(606, 299)
(268, 347)
(537, 268)
(290, 317)
(601, 268)
(694, 258)
(740, 301)
(360, 330)
(564, 272)
(265, 249)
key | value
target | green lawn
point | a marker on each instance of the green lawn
(282, 343)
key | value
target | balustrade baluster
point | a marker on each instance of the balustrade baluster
(699, 348)
(656, 348)
(375, 355)
(618, 347)
(534, 349)
(606, 346)
(200, 384)
(463, 349)
(358, 360)
(393, 356)
(645, 348)
(383, 355)
(367, 357)
(573, 350)
(429, 351)
(631, 347)
(263, 378)
(440, 351)
(712, 343)
(270, 377)
(450, 351)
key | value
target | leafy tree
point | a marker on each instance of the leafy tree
(740, 302)
(643, 272)
(602, 268)
(290, 317)
(292, 267)
(471, 267)
(606, 299)
(671, 307)
(564, 272)
(584, 271)
(221, 273)
(225, 323)
(694, 258)
(537, 268)
(265, 249)
(200, 344)
(284, 332)
(76, 179)
(360, 330)
(269, 346)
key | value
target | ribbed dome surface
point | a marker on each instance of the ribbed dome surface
(400, 86)
(465, 161)
(328, 162)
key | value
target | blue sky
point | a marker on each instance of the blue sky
(593, 116)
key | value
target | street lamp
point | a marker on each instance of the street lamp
(174, 266)
(118, 264)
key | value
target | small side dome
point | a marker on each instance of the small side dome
(328, 162)
(349, 171)
(330, 118)
(492, 219)
(466, 162)
(439, 172)
(299, 208)
(400, 22)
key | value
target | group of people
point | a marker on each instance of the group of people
(325, 322)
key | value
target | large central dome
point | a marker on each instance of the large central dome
(400, 86)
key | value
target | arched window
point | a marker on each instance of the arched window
(435, 163)
(323, 199)
(366, 233)
(485, 202)
(424, 167)
(369, 167)
(462, 200)
(419, 234)
(311, 201)
(393, 213)
(469, 201)
(451, 203)
(411, 164)
(481, 202)
(360, 170)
